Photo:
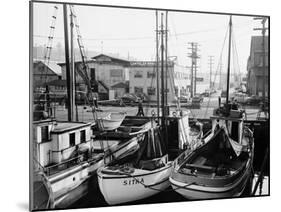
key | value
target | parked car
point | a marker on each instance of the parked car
(253, 100)
(197, 99)
(130, 98)
(240, 97)
(183, 99)
(205, 94)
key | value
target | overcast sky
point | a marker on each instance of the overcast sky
(132, 32)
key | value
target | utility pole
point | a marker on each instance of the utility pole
(263, 31)
(211, 63)
(194, 56)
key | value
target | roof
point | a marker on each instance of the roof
(76, 62)
(120, 85)
(52, 66)
(62, 127)
(107, 58)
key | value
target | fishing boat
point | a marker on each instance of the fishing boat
(222, 165)
(112, 121)
(67, 154)
(137, 177)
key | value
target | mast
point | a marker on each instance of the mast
(166, 63)
(69, 75)
(157, 67)
(228, 63)
(72, 65)
(162, 81)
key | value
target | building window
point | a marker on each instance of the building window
(116, 73)
(83, 136)
(150, 74)
(138, 74)
(151, 91)
(72, 139)
(45, 135)
(138, 90)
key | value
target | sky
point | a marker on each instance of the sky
(131, 32)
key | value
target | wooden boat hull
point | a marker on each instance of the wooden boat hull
(194, 180)
(118, 189)
(64, 188)
(195, 192)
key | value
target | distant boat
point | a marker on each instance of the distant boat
(141, 176)
(112, 121)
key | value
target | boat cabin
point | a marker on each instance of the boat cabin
(232, 123)
(56, 142)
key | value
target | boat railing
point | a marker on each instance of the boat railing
(53, 169)
(181, 158)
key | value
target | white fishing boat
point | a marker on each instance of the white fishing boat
(144, 174)
(67, 154)
(112, 121)
(222, 166)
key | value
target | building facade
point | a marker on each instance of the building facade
(43, 73)
(257, 76)
(104, 70)
(142, 76)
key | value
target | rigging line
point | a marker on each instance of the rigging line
(233, 62)
(217, 69)
(236, 53)
(48, 49)
(83, 72)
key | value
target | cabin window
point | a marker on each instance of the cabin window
(45, 136)
(83, 136)
(72, 139)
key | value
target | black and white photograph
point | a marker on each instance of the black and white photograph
(138, 105)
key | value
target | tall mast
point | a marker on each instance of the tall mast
(162, 75)
(69, 75)
(166, 62)
(72, 66)
(228, 63)
(157, 67)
